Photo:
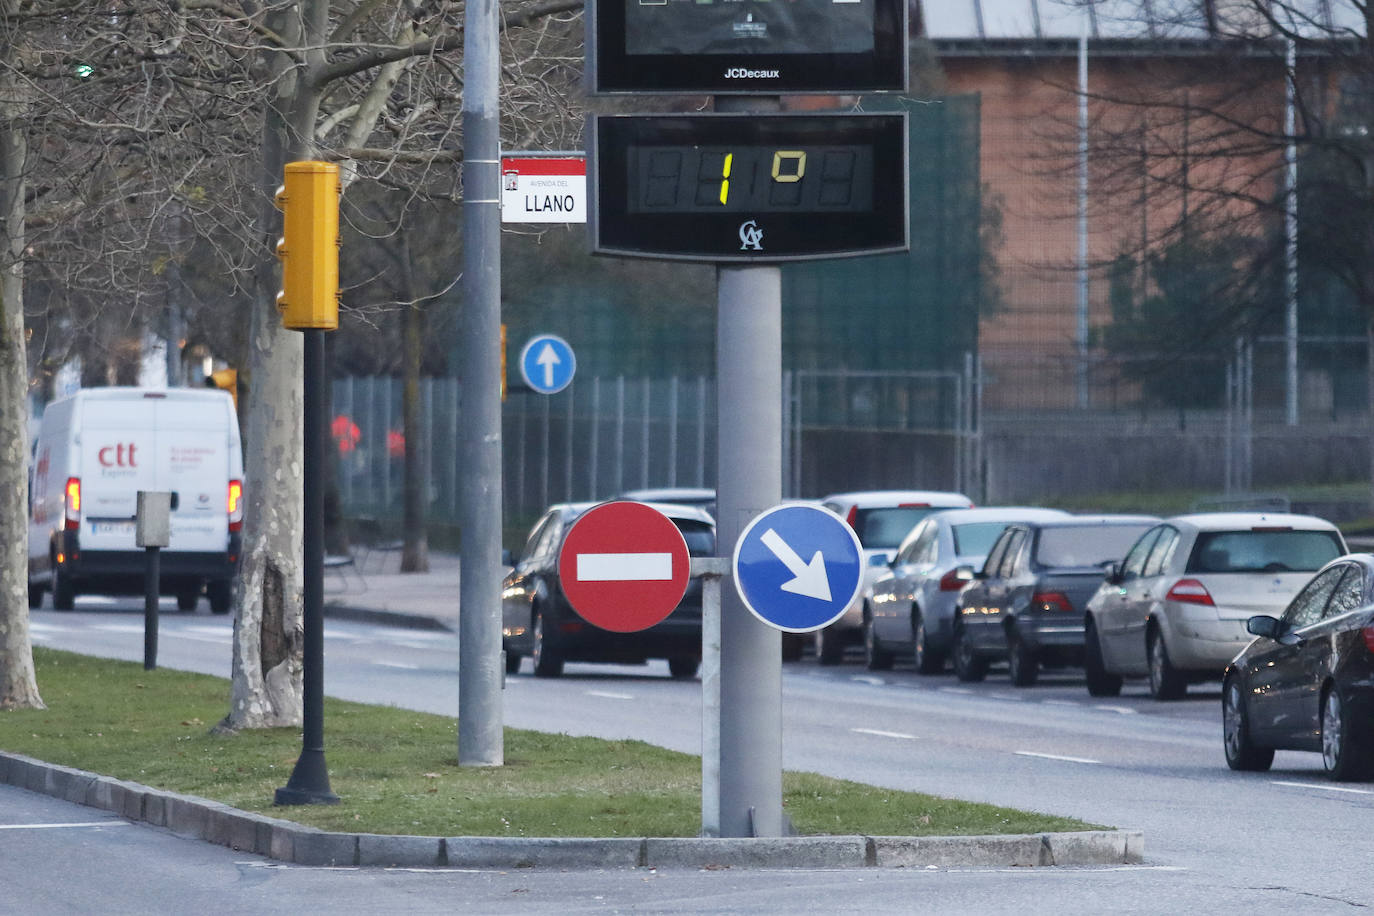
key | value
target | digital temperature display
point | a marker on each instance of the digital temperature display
(748, 187)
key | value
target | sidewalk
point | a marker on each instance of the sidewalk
(374, 590)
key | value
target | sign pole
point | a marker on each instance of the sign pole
(749, 470)
(710, 570)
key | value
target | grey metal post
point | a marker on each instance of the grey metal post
(645, 400)
(480, 672)
(595, 472)
(749, 480)
(619, 433)
(710, 570)
(701, 430)
(672, 431)
(544, 469)
(572, 426)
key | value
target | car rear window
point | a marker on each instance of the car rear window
(700, 537)
(884, 528)
(976, 538)
(1090, 545)
(1262, 551)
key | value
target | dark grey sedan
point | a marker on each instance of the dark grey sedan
(1027, 603)
(1307, 682)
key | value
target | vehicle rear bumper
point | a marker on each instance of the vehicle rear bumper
(122, 572)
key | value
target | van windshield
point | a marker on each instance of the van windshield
(1263, 551)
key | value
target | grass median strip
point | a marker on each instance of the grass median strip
(397, 773)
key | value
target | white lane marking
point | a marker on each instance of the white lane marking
(1056, 757)
(1123, 710)
(60, 826)
(402, 665)
(1007, 696)
(1324, 786)
(882, 734)
(609, 695)
(214, 640)
(964, 691)
(118, 627)
(870, 681)
(1061, 702)
(624, 567)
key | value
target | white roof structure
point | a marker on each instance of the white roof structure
(1155, 20)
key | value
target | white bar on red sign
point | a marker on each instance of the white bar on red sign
(624, 567)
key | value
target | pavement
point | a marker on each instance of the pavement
(372, 589)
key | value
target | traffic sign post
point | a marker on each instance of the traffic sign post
(547, 364)
(624, 566)
(798, 567)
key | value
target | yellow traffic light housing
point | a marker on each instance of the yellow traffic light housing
(227, 380)
(309, 246)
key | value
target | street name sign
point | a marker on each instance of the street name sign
(624, 566)
(797, 567)
(547, 364)
(543, 189)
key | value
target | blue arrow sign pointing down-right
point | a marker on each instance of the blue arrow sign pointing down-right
(782, 588)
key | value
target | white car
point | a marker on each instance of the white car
(1175, 609)
(911, 604)
(881, 519)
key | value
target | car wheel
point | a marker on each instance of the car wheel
(547, 662)
(829, 646)
(793, 647)
(187, 601)
(63, 591)
(35, 595)
(683, 666)
(968, 665)
(1241, 752)
(1022, 663)
(1345, 748)
(927, 660)
(1166, 682)
(512, 662)
(876, 658)
(220, 592)
(1101, 683)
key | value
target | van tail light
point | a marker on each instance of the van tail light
(235, 505)
(1368, 634)
(1051, 601)
(1190, 591)
(73, 504)
(952, 581)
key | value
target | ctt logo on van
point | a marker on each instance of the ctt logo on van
(118, 460)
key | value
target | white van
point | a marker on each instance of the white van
(94, 451)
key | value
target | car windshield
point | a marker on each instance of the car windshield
(1090, 545)
(976, 539)
(884, 529)
(700, 537)
(1262, 551)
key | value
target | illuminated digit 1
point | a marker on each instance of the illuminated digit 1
(725, 178)
(789, 155)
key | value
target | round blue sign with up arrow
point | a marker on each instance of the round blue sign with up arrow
(798, 567)
(547, 363)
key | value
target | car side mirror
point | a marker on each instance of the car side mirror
(967, 573)
(1114, 574)
(1264, 625)
(879, 559)
(507, 557)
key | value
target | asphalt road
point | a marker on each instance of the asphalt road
(1285, 839)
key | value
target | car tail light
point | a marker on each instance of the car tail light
(1190, 591)
(73, 501)
(235, 505)
(853, 517)
(952, 581)
(1051, 601)
(1368, 634)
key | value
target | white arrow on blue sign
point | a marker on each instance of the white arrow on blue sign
(797, 567)
(547, 363)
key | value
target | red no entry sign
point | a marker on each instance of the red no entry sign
(624, 566)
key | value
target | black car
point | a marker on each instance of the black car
(538, 621)
(1027, 603)
(1307, 682)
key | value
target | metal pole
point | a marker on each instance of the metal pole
(309, 782)
(710, 570)
(1290, 240)
(481, 740)
(151, 575)
(749, 475)
(1081, 330)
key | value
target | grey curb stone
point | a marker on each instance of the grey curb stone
(545, 852)
(214, 822)
(764, 852)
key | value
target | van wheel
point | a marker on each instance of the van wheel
(221, 595)
(63, 591)
(187, 600)
(35, 596)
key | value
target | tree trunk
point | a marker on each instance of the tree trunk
(415, 550)
(18, 686)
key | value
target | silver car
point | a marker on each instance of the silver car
(911, 605)
(1175, 609)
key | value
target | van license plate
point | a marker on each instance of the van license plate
(112, 528)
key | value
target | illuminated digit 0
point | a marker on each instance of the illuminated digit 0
(725, 178)
(789, 155)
